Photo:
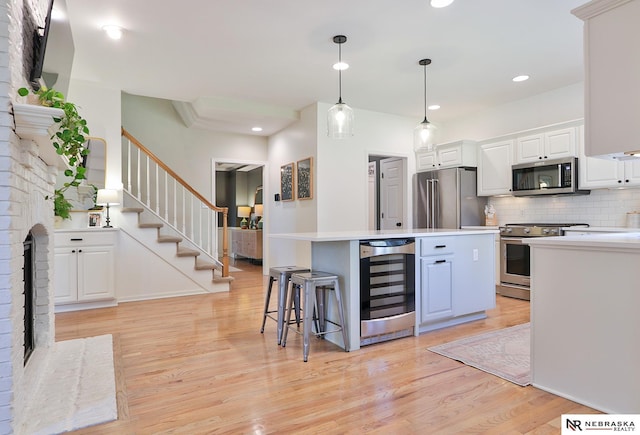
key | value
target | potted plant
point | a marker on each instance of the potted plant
(68, 140)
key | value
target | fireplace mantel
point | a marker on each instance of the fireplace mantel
(34, 122)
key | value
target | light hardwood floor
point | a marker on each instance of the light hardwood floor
(199, 365)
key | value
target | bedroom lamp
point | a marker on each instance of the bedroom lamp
(259, 210)
(340, 116)
(423, 133)
(107, 197)
(244, 211)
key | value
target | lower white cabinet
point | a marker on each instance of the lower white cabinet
(437, 288)
(84, 269)
(456, 279)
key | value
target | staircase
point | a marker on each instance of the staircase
(171, 220)
(164, 241)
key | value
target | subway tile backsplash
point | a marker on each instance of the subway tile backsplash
(601, 208)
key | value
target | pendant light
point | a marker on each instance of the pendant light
(423, 133)
(340, 116)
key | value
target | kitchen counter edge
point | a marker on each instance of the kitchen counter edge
(336, 236)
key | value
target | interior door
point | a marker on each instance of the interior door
(392, 193)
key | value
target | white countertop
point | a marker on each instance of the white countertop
(626, 240)
(335, 236)
(603, 229)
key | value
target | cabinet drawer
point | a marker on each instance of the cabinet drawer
(436, 246)
(77, 238)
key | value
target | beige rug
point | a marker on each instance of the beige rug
(77, 388)
(505, 353)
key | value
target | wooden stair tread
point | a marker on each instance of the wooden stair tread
(204, 265)
(150, 225)
(169, 239)
(185, 252)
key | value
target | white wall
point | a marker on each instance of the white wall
(342, 178)
(293, 143)
(563, 104)
(188, 151)
(101, 108)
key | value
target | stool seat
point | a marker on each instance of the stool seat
(282, 274)
(314, 285)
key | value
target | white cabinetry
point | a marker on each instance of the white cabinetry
(547, 145)
(453, 292)
(436, 286)
(84, 269)
(612, 75)
(601, 173)
(494, 168)
(461, 153)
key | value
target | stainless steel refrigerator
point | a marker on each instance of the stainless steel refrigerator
(447, 198)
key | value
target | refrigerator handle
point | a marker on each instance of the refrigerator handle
(428, 203)
(435, 210)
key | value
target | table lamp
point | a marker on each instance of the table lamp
(259, 211)
(107, 197)
(244, 211)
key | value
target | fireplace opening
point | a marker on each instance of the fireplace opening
(29, 296)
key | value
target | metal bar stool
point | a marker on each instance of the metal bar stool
(282, 275)
(314, 285)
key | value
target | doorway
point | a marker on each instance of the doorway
(387, 181)
(238, 185)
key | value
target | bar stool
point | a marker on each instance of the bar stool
(314, 285)
(281, 274)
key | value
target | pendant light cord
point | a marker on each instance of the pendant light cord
(425, 93)
(340, 73)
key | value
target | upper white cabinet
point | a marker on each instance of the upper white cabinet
(600, 173)
(494, 168)
(548, 145)
(612, 75)
(461, 153)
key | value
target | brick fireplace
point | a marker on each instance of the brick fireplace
(25, 181)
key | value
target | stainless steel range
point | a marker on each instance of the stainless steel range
(515, 261)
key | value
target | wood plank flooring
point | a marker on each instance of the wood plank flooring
(199, 365)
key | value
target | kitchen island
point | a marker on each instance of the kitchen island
(454, 273)
(585, 296)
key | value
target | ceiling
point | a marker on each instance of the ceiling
(232, 65)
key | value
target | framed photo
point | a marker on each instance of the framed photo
(95, 219)
(305, 178)
(286, 182)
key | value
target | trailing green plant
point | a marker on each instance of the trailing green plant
(68, 140)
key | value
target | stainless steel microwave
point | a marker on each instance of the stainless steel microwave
(546, 177)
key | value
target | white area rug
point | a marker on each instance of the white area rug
(505, 353)
(77, 387)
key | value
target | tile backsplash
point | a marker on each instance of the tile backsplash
(601, 208)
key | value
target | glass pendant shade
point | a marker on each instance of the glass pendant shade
(423, 136)
(340, 116)
(340, 121)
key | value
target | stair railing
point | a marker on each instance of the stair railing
(154, 184)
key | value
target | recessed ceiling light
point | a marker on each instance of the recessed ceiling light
(441, 3)
(340, 66)
(113, 31)
(521, 78)
(434, 107)
(256, 129)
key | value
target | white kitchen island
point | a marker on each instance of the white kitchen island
(454, 273)
(585, 298)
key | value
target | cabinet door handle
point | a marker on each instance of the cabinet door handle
(440, 261)
(76, 240)
(73, 252)
(79, 250)
(440, 246)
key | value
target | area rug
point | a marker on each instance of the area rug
(77, 388)
(505, 353)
